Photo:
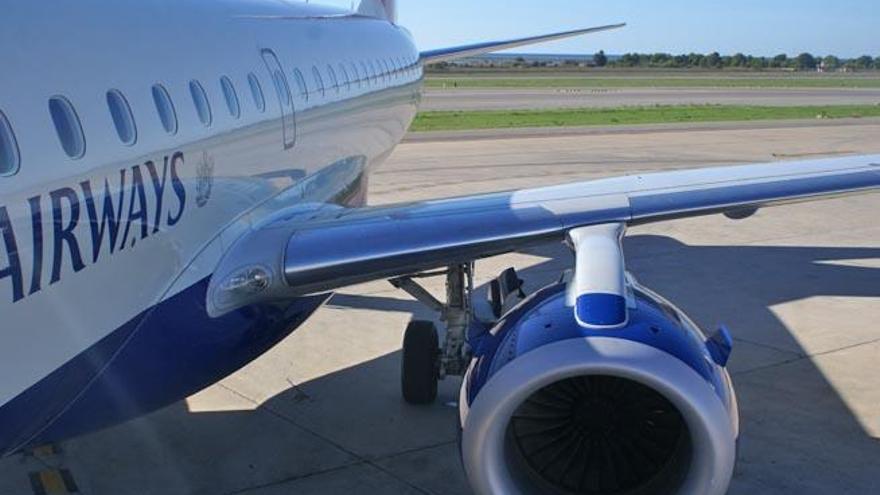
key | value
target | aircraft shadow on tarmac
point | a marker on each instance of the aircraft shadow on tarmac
(798, 434)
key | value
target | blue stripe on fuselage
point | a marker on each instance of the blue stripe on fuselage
(159, 357)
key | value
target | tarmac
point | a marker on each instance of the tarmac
(520, 99)
(798, 285)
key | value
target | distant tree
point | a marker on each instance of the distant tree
(805, 61)
(600, 59)
(738, 60)
(713, 60)
(660, 59)
(680, 61)
(695, 60)
(831, 62)
(629, 60)
(779, 61)
(864, 62)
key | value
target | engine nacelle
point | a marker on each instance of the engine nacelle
(552, 406)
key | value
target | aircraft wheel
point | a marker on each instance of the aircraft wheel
(419, 370)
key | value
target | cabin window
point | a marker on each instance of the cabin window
(165, 109)
(200, 101)
(319, 81)
(9, 157)
(355, 74)
(231, 97)
(334, 81)
(257, 92)
(365, 74)
(301, 82)
(68, 127)
(345, 77)
(123, 120)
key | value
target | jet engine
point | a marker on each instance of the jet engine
(570, 394)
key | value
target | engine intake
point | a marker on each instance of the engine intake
(599, 434)
(599, 416)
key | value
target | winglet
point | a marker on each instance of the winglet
(452, 53)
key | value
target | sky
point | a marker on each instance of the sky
(752, 27)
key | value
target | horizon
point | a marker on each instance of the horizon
(751, 27)
(508, 54)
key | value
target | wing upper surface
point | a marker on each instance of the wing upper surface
(358, 245)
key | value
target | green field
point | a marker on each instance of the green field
(437, 81)
(506, 119)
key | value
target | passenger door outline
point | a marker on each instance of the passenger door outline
(285, 97)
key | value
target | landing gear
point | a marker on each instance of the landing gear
(425, 361)
(419, 367)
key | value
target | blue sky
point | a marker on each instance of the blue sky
(754, 27)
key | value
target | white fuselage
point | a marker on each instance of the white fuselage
(80, 267)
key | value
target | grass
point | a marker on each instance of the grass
(505, 119)
(592, 82)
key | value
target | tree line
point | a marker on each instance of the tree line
(714, 60)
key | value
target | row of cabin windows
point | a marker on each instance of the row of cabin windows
(70, 132)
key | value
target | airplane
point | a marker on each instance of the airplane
(185, 183)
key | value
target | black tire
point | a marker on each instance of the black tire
(418, 373)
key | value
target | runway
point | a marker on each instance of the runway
(505, 99)
(799, 287)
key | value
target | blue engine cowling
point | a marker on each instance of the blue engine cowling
(550, 406)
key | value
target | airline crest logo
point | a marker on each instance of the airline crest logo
(116, 209)
(204, 180)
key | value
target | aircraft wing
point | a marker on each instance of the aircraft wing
(290, 257)
(452, 53)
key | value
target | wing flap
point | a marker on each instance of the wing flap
(294, 257)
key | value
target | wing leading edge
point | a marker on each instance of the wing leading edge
(452, 53)
(293, 257)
